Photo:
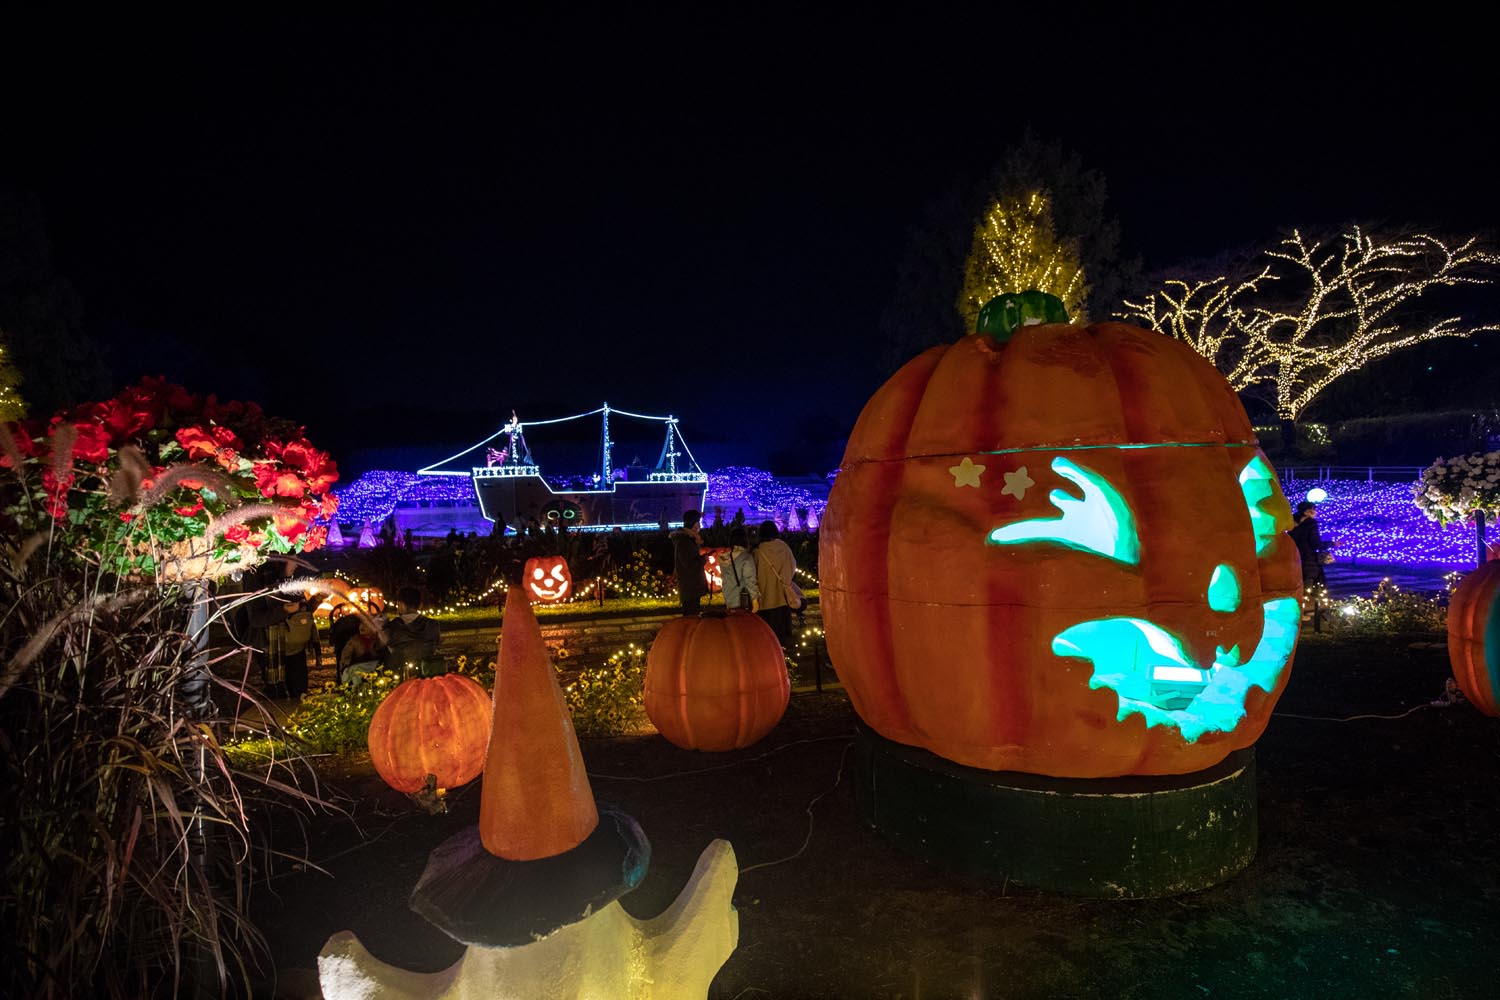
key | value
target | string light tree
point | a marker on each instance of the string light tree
(12, 406)
(1034, 641)
(1016, 248)
(1318, 309)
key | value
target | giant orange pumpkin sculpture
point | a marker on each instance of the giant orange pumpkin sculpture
(1058, 549)
(1474, 637)
(716, 682)
(431, 725)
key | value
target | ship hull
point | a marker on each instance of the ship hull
(520, 499)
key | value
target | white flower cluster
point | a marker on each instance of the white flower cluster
(1453, 489)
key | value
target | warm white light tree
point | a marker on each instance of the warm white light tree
(1015, 249)
(1317, 310)
(12, 407)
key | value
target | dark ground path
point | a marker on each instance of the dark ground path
(1378, 873)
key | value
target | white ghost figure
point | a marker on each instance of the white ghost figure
(607, 954)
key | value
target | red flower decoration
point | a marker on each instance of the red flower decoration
(289, 484)
(92, 445)
(197, 442)
(303, 457)
(226, 438)
(160, 394)
(189, 511)
(25, 444)
(291, 526)
(125, 418)
(57, 493)
(321, 479)
(236, 534)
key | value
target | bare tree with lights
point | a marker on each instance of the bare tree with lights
(1016, 248)
(1317, 310)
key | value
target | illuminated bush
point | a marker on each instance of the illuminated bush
(607, 700)
(337, 719)
(1391, 610)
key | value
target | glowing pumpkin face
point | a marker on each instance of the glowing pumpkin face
(1060, 552)
(548, 578)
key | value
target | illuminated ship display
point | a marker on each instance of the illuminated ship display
(512, 491)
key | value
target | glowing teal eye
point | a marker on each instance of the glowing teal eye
(1258, 484)
(1099, 522)
(1224, 589)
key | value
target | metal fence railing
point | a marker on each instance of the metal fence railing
(1367, 473)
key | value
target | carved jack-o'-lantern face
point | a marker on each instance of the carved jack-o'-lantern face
(548, 578)
(1060, 551)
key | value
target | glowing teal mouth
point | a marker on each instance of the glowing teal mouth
(1152, 676)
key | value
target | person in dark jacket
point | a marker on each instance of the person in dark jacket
(688, 560)
(410, 639)
(1309, 543)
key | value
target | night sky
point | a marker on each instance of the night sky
(395, 229)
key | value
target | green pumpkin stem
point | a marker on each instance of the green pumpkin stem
(1003, 315)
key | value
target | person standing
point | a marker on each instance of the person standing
(688, 560)
(774, 569)
(410, 639)
(741, 586)
(1309, 543)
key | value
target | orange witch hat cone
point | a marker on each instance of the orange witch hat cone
(535, 801)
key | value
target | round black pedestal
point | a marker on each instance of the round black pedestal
(1128, 837)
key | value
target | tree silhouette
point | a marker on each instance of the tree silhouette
(930, 275)
(41, 315)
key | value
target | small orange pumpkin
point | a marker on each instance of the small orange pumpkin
(431, 725)
(1474, 637)
(716, 682)
(548, 578)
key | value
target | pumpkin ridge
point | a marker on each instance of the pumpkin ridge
(680, 694)
(742, 694)
(444, 710)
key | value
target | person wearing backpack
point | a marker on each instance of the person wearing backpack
(289, 636)
(410, 639)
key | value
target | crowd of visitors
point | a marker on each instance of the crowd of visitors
(758, 572)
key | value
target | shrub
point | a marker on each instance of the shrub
(125, 827)
(609, 700)
(337, 719)
(1391, 610)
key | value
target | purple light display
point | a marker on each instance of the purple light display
(1379, 523)
(375, 495)
(760, 496)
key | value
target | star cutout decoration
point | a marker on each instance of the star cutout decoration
(1017, 483)
(966, 473)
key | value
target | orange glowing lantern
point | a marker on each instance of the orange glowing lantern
(548, 578)
(713, 570)
(431, 725)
